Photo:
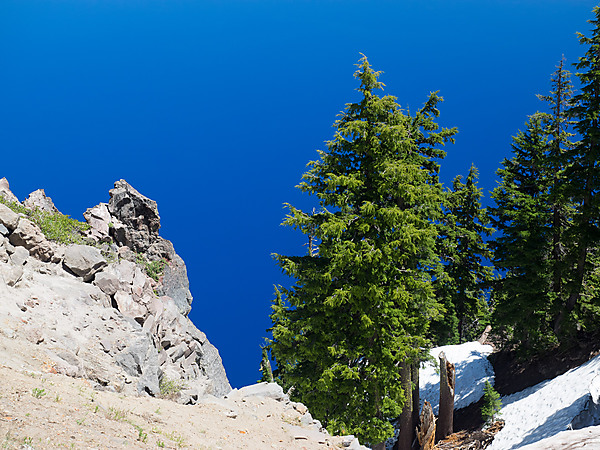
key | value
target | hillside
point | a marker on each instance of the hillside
(96, 348)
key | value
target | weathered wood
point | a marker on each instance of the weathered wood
(426, 432)
(445, 423)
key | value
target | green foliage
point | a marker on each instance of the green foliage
(55, 226)
(363, 297)
(492, 404)
(38, 393)
(154, 269)
(534, 213)
(463, 283)
(170, 388)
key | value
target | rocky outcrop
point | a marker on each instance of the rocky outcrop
(6, 192)
(95, 307)
(39, 200)
(137, 220)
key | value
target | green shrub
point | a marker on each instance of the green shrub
(170, 388)
(56, 227)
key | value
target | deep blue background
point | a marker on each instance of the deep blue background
(213, 109)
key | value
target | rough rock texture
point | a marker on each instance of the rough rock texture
(175, 284)
(8, 218)
(147, 337)
(137, 217)
(39, 200)
(28, 235)
(6, 192)
(83, 260)
(99, 220)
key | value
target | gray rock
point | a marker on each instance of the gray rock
(100, 221)
(137, 213)
(39, 200)
(28, 235)
(3, 230)
(8, 217)
(129, 308)
(140, 359)
(268, 390)
(83, 260)
(175, 284)
(19, 256)
(107, 282)
(12, 274)
(6, 192)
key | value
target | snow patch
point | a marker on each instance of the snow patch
(547, 408)
(472, 371)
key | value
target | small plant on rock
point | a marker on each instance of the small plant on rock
(38, 393)
(170, 388)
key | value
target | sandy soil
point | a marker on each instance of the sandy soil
(40, 409)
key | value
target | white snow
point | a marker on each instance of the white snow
(545, 409)
(588, 438)
(472, 371)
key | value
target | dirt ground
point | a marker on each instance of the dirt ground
(40, 409)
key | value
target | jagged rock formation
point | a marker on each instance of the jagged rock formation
(94, 310)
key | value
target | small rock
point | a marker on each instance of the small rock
(232, 414)
(3, 230)
(19, 257)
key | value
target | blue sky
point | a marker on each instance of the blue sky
(213, 109)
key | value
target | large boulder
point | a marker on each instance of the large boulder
(83, 260)
(28, 235)
(39, 200)
(137, 214)
(8, 217)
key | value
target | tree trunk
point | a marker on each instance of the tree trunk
(426, 433)
(416, 399)
(406, 425)
(446, 413)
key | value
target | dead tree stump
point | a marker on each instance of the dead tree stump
(445, 422)
(426, 433)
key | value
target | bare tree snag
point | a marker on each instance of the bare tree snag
(426, 433)
(445, 421)
(405, 422)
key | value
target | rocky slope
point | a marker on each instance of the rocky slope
(108, 306)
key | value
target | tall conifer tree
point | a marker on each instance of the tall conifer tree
(521, 215)
(465, 279)
(362, 301)
(583, 175)
(534, 212)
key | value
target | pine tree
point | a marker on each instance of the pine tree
(534, 213)
(521, 215)
(361, 304)
(463, 284)
(583, 175)
(491, 404)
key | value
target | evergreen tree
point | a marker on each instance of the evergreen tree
(583, 177)
(521, 215)
(462, 286)
(491, 404)
(534, 213)
(362, 301)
